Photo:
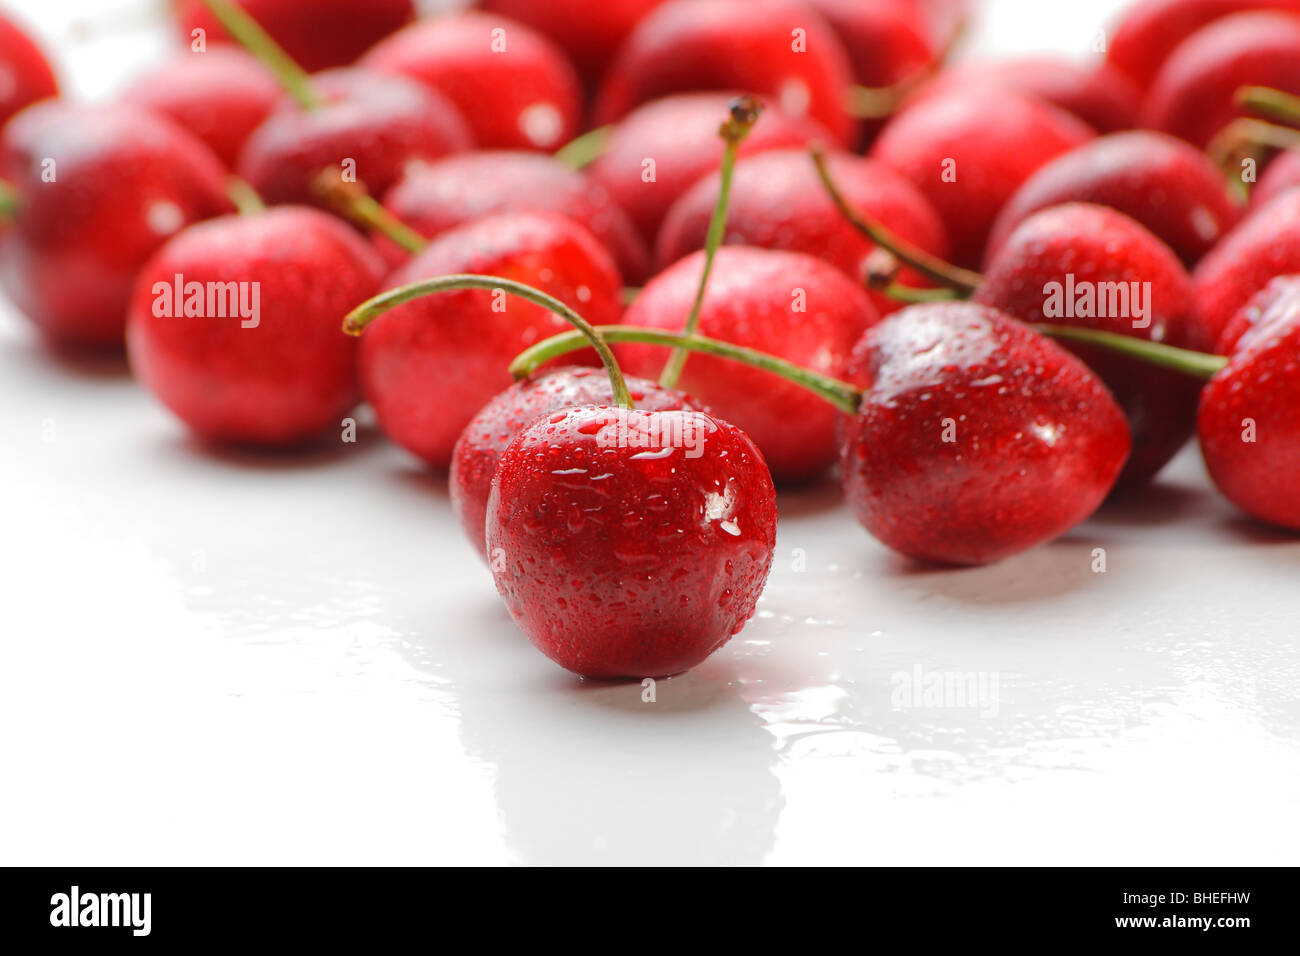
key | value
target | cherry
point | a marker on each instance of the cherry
(777, 202)
(1281, 174)
(512, 85)
(660, 150)
(1266, 244)
(1092, 248)
(967, 166)
(370, 125)
(1193, 96)
(773, 48)
(428, 366)
(97, 191)
(318, 34)
(589, 31)
(25, 73)
(434, 197)
(1281, 292)
(792, 305)
(478, 450)
(220, 96)
(275, 371)
(1163, 183)
(1247, 424)
(889, 42)
(977, 438)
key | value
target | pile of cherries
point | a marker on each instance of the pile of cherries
(768, 213)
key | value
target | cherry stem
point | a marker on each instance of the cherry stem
(964, 281)
(1241, 135)
(913, 296)
(244, 196)
(745, 111)
(9, 201)
(1197, 364)
(1270, 102)
(842, 395)
(585, 149)
(352, 200)
(356, 321)
(259, 43)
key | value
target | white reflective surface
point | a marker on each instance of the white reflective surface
(221, 658)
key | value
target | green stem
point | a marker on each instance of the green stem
(1242, 135)
(9, 201)
(1197, 364)
(1270, 102)
(258, 42)
(244, 196)
(906, 293)
(352, 200)
(585, 149)
(964, 281)
(745, 111)
(842, 395)
(356, 321)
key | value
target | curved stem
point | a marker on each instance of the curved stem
(745, 111)
(1197, 364)
(1239, 136)
(9, 201)
(244, 196)
(355, 322)
(932, 267)
(585, 149)
(250, 35)
(352, 201)
(913, 296)
(1270, 102)
(842, 395)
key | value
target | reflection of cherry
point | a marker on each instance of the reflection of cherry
(25, 74)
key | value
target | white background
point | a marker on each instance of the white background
(223, 658)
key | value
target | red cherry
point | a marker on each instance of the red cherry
(478, 450)
(428, 366)
(888, 41)
(380, 123)
(778, 202)
(1193, 96)
(25, 74)
(977, 438)
(99, 189)
(773, 48)
(1266, 244)
(679, 134)
(317, 34)
(1166, 185)
(785, 303)
(618, 553)
(220, 96)
(512, 85)
(279, 370)
(969, 166)
(434, 197)
(589, 31)
(1151, 30)
(1261, 308)
(1090, 248)
(1281, 174)
(1247, 423)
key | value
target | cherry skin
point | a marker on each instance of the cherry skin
(433, 197)
(1098, 246)
(479, 448)
(121, 182)
(977, 438)
(25, 73)
(589, 31)
(967, 166)
(888, 41)
(623, 558)
(286, 373)
(1193, 96)
(429, 365)
(1282, 293)
(754, 299)
(1247, 424)
(381, 123)
(1265, 245)
(747, 45)
(220, 96)
(680, 135)
(317, 34)
(512, 85)
(1168, 186)
(1281, 174)
(778, 202)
